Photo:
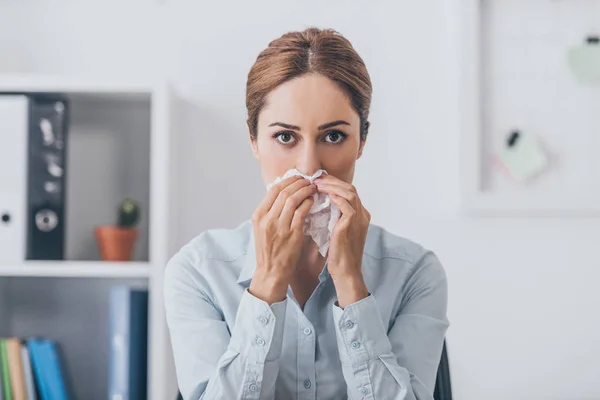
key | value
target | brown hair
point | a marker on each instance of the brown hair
(318, 51)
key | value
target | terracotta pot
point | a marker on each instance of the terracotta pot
(116, 243)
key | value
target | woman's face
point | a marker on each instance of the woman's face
(308, 124)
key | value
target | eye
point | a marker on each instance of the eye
(285, 137)
(335, 137)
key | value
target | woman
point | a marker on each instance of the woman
(257, 312)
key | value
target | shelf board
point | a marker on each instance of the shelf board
(77, 84)
(77, 269)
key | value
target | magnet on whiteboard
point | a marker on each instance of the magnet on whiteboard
(584, 60)
(522, 156)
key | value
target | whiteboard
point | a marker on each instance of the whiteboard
(518, 75)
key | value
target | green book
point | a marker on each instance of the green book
(5, 371)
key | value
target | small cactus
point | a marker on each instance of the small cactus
(129, 213)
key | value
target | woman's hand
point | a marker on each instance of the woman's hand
(347, 240)
(278, 225)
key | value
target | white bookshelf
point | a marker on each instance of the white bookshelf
(121, 143)
(514, 74)
(77, 269)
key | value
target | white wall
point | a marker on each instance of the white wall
(523, 298)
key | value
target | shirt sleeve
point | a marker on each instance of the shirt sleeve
(211, 362)
(400, 361)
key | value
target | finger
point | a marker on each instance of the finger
(273, 192)
(346, 209)
(345, 193)
(284, 195)
(332, 180)
(301, 213)
(293, 202)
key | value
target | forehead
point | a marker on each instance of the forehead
(308, 101)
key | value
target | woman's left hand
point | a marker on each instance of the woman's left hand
(347, 240)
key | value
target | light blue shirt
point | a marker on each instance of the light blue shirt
(228, 344)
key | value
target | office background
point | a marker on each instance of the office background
(523, 290)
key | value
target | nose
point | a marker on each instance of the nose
(308, 161)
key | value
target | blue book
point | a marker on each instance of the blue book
(47, 369)
(128, 334)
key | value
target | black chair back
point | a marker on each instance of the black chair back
(443, 386)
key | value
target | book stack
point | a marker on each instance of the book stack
(31, 369)
(34, 368)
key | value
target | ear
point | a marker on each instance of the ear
(363, 140)
(254, 144)
(360, 149)
(253, 141)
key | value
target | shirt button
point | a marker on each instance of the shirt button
(364, 390)
(307, 331)
(307, 384)
(260, 342)
(349, 324)
(355, 345)
(253, 387)
(263, 320)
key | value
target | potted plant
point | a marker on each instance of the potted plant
(117, 242)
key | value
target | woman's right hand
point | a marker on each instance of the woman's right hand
(278, 225)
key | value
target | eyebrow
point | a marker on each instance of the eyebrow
(286, 126)
(332, 124)
(321, 127)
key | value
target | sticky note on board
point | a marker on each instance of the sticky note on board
(584, 60)
(522, 156)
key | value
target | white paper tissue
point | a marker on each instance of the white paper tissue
(322, 216)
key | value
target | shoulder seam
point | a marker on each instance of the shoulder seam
(421, 257)
(393, 255)
(206, 295)
(200, 252)
(224, 259)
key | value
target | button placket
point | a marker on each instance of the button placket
(306, 355)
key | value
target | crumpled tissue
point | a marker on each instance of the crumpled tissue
(322, 216)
